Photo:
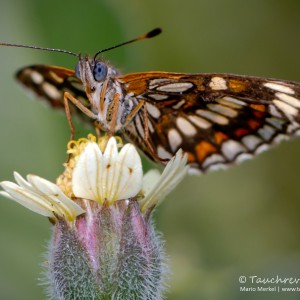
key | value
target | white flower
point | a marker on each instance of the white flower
(41, 196)
(104, 177)
(112, 176)
(108, 176)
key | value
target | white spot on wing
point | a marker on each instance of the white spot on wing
(242, 157)
(232, 148)
(292, 127)
(216, 118)
(174, 139)
(213, 159)
(194, 171)
(51, 91)
(200, 122)
(288, 99)
(274, 111)
(251, 141)
(36, 77)
(279, 87)
(280, 138)
(185, 126)
(179, 104)
(266, 132)
(153, 110)
(262, 148)
(163, 153)
(177, 87)
(218, 83)
(153, 83)
(223, 110)
(286, 108)
(230, 103)
(275, 122)
(150, 126)
(139, 126)
(217, 167)
(235, 101)
(158, 97)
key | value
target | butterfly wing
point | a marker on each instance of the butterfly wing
(50, 83)
(218, 119)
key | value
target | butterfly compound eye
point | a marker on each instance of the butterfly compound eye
(100, 71)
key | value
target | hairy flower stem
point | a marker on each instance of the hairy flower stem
(112, 252)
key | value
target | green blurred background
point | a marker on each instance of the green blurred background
(244, 221)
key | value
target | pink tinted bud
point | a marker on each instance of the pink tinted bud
(110, 252)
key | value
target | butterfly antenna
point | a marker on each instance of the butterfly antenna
(148, 35)
(40, 48)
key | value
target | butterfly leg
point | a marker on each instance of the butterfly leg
(115, 109)
(102, 95)
(134, 112)
(69, 116)
(97, 129)
(68, 97)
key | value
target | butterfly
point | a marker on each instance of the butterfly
(217, 119)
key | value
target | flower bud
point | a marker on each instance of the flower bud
(113, 252)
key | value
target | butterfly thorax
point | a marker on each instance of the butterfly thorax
(105, 93)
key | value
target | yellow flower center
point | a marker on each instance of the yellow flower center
(74, 148)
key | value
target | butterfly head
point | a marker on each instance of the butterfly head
(97, 77)
(92, 71)
(93, 74)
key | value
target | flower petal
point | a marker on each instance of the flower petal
(150, 179)
(6, 195)
(109, 170)
(43, 186)
(88, 169)
(111, 176)
(174, 172)
(27, 198)
(22, 182)
(111, 149)
(130, 175)
(41, 196)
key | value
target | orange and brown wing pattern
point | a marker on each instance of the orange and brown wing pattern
(50, 83)
(218, 119)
